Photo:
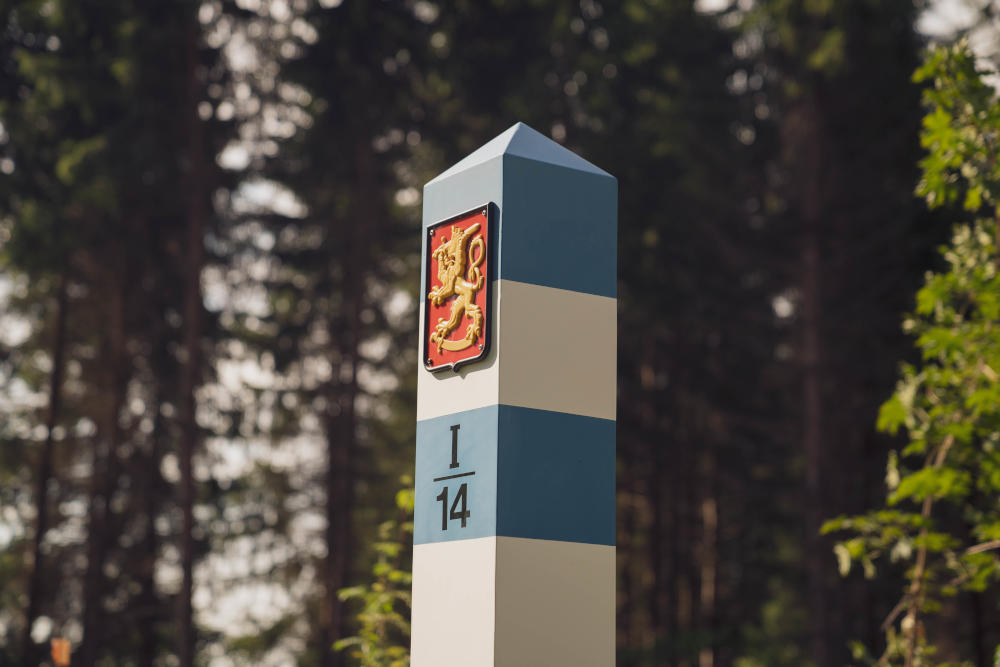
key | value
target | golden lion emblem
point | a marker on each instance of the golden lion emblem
(459, 275)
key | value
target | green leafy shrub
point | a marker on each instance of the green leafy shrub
(941, 517)
(383, 638)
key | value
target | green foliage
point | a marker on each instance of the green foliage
(942, 487)
(958, 132)
(384, 617)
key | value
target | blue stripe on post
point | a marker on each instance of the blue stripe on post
(548, 476)
(559, 227)
(476, 454)
(556, 476)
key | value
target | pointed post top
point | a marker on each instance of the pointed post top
(522, 141)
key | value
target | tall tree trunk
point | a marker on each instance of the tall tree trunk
(979, 647)
(339, 504)
(30, 657)
(104, 476)
(658, 593)
(708, 558)
(342, 427)
(628, 554)
(676, 620)
(148, 604)
(191, 373)
(803, 139)
(814, 449)
(341, 445)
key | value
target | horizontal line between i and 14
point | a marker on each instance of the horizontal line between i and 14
(461, 474)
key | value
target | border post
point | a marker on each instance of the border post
(514, 524)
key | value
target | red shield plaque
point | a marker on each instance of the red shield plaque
(457, 308)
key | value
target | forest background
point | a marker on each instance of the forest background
(209, 240)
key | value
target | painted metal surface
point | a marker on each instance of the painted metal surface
(493, 601)
(559, 236)
(454, 604)
(539, 370)
(560, 350)
(465, 444)
(555, 476)
(517, 472)
(539, 581)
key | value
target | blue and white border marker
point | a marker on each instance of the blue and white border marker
(514, 526)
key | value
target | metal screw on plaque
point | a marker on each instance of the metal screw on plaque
(480, 347)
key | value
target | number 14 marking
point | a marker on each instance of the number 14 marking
(460, 497)
(460, 506)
